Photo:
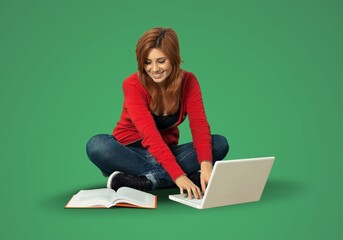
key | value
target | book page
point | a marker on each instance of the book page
(93, 197)
(136, 197)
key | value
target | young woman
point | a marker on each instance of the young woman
(143, 152)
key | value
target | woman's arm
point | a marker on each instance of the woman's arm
(199, 126)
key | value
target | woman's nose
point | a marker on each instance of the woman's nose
(154, 67)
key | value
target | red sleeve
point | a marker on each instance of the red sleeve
(136, 101)
(199, 126)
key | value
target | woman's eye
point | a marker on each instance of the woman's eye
(158, 61)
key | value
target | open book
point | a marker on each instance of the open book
(106, 198)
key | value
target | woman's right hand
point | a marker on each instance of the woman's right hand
(184, 183)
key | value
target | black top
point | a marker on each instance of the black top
(162, 122)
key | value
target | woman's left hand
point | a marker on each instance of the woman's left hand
(206, 171)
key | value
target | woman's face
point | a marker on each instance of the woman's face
(157, 66)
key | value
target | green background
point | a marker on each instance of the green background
(270, 73)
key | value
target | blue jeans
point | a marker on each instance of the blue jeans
(109, 156)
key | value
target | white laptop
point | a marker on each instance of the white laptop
(232, 182)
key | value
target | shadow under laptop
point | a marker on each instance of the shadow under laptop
(163, 194)
(279, 189)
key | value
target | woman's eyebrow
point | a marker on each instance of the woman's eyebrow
(161, 58)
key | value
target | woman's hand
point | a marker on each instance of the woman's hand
(184, 183)
(206, 171)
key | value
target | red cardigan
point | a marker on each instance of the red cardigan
(137, 123)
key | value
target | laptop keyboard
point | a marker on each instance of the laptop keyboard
(193, 200)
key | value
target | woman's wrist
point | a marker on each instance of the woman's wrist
(205, 165)
(179, 177)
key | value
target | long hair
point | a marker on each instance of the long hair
(164, 39)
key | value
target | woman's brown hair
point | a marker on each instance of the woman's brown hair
(164, 39)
